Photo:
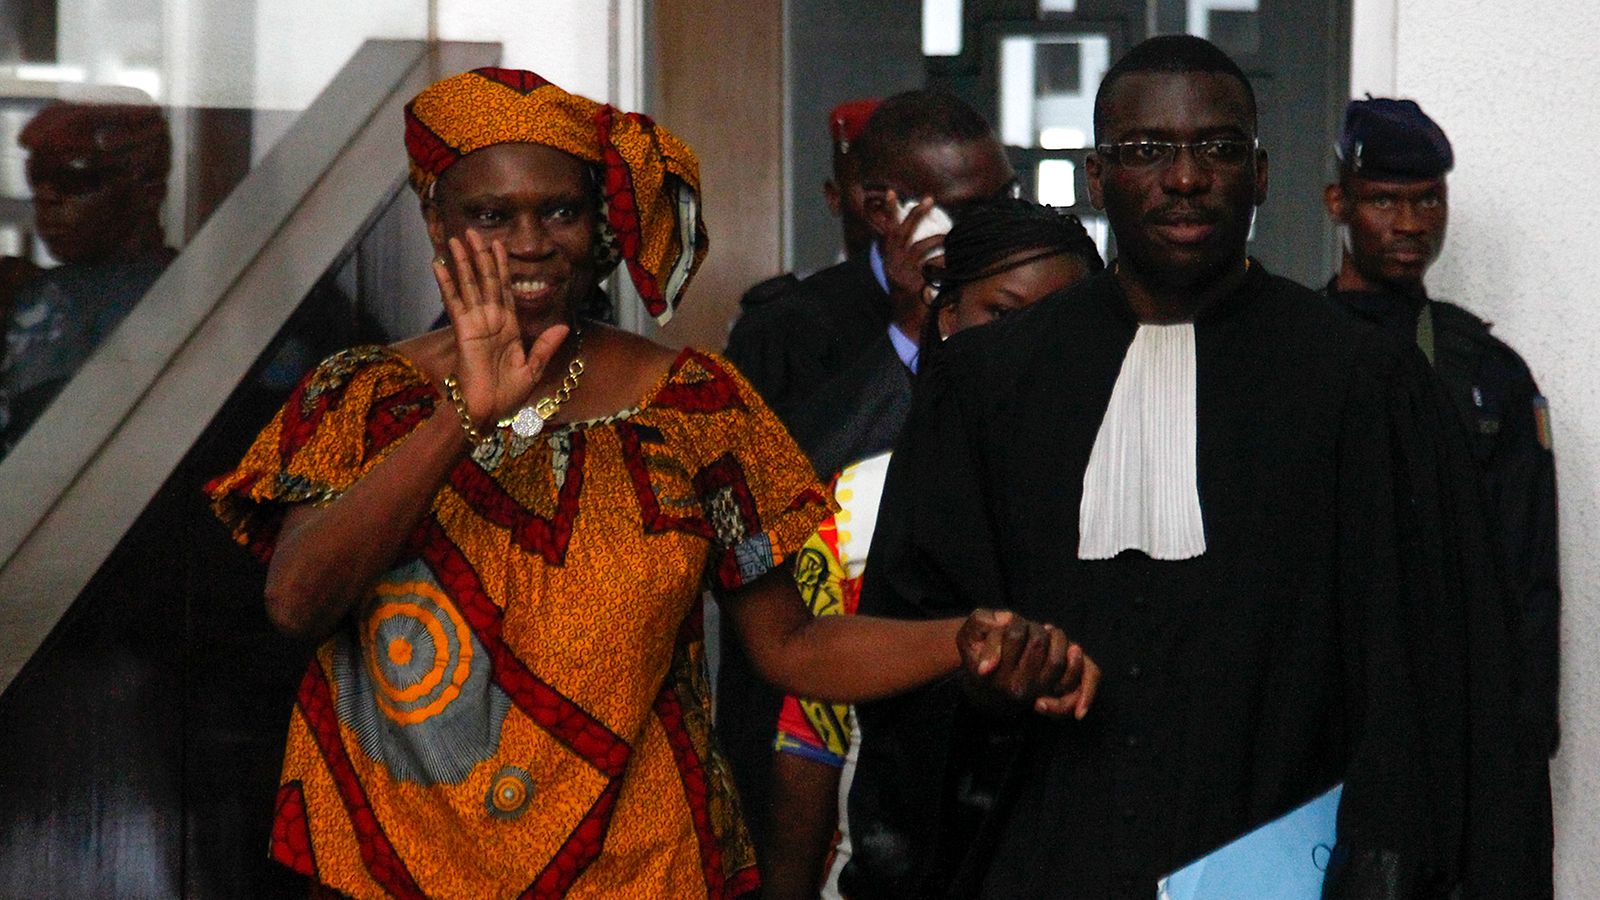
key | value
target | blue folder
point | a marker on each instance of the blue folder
(1284, 859)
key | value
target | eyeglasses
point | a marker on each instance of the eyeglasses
(72, 178)
(1218, 153)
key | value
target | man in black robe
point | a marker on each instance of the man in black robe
(1323, 616)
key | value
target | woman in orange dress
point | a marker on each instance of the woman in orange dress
(502, 529)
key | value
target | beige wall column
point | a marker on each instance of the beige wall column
(719, 83)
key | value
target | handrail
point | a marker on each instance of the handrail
(74, 484)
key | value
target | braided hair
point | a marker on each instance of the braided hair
(990, 238)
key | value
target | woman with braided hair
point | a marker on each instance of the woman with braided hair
(1000, 257)
(500, 532)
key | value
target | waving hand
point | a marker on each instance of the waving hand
(495, 370)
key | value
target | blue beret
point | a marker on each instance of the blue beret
(1386, 138)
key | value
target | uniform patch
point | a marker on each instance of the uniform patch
(1541, 421)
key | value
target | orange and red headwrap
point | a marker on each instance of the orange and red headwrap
(649, 180)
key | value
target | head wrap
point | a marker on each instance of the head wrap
(649, 180)
(1392, 139)
(125, 138)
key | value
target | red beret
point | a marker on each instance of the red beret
(848, 120)
(133, 137)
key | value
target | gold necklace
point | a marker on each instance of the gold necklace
(528, 421)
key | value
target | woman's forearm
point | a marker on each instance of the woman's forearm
(840, 659)
(850, 659)
(327, 558)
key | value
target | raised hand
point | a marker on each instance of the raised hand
(1012, 663)
(495, 369)
(903, 257)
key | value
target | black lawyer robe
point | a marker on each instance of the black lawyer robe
(1324, 635)
(1499, 405)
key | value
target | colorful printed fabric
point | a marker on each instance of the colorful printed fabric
(520, 707)
(650, 180)
(829, 570)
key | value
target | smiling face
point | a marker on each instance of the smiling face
(987, 299)
(537, 201)
(1396, 228)
(1180, 225)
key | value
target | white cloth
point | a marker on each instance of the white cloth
(1140, 490)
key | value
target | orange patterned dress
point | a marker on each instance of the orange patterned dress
(519, 708)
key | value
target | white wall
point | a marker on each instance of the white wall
(278, 54)
(301, 44)
(566, 41)
(1510, 85)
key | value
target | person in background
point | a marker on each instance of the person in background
(1000, 258)
(1392, 204)
(843, 191)
(499, 532)
(98, 173)
(924, 146)
(833, 356)
(1236, 499)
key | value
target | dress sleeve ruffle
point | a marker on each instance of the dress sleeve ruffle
(759, 495)
(341, 420)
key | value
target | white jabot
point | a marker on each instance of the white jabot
(1140, 490)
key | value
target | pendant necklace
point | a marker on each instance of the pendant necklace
(528, 421)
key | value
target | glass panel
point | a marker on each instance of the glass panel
(1056, 183)
(1236, 31)
(1047, 84)
(1100, 230)
(1233, 25)
(123, 126)
(941, 27)
(180, 761)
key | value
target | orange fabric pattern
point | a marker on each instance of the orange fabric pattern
(519, 708)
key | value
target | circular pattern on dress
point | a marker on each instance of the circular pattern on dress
(414, 684)
(509, 792)
(419, 651)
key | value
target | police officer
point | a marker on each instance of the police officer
(1392, 204)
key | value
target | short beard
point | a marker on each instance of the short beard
(1192, 280)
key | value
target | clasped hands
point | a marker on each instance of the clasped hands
(1010, 663)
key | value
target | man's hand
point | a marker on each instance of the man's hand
(903, 258)
(1011, 662)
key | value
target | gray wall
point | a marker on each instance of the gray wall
(838, 50)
